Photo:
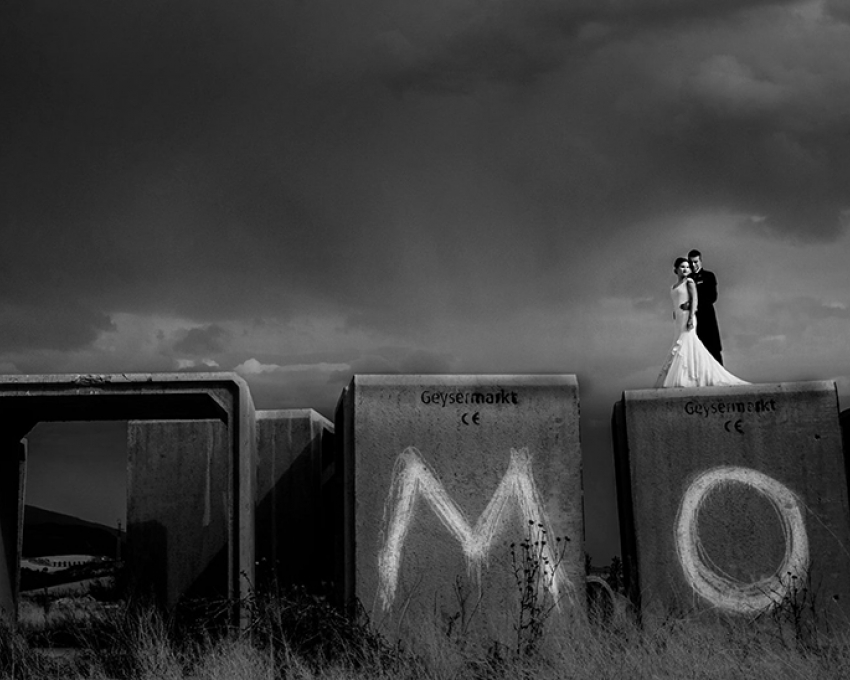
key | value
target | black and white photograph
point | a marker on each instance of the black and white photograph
(450, 339)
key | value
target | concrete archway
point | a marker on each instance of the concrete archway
(208, 406)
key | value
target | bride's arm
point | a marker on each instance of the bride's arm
(693, 299)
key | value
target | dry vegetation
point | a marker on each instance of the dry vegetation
(298, 636)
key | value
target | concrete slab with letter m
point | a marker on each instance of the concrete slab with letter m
(443, 475)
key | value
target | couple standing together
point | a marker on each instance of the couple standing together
(695, 359)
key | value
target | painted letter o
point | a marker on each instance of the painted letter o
(720, 590)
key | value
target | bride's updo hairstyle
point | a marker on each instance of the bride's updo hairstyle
(679, 260)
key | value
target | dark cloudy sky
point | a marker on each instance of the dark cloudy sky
(301, 190)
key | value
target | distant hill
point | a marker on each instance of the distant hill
(47, 532)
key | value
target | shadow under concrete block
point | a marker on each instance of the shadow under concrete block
(178, 509)
(290, 532)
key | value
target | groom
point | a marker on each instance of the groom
(707, 330)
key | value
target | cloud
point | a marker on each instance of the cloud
(494, 54)
(722, 81)
(378, 360)
(49, 326)
(838, 10)
(398, 360)
(793, 322)
(196, 364)
(808, 308)
(830, 310)
(747, 119)
(318, 384)
(231, 184)
(239, 183)
(515, 42)
(201, 340)
(254, 367)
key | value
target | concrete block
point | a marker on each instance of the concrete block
(289, 512)
(731, 498)
(844, 419)
(442, 474)
(13, 455)
(26, 400)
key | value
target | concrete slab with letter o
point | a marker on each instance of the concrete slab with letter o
(734, 499)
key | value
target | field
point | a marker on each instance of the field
(298, 636)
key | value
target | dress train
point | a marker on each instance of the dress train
(689, 363)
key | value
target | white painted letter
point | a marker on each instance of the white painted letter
(720, 590)
(412, 477)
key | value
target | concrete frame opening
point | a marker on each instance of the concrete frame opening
(216, 405)
(75, 512)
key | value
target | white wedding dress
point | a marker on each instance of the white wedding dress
(689, 363)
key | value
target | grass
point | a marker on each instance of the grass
(297, 636)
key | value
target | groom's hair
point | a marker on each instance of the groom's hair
(679, 260)
(694, 253)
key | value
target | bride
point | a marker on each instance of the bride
(689, 363)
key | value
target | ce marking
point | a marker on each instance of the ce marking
(476, 418)
(736, 424)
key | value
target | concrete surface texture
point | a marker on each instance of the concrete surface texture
(13, 455)
(442, 474)
(733, 498)
(291, 445)
(844, 419)
(178, 504)
(26, 400)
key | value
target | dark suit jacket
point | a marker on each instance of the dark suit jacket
(707, 329)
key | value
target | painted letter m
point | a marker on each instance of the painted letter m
(413, 478)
